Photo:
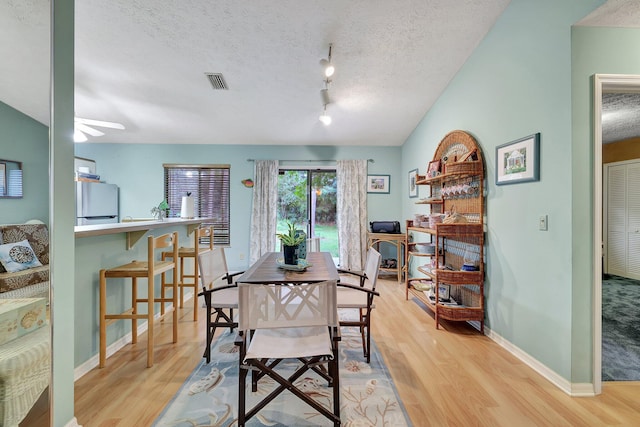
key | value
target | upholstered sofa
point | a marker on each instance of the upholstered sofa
(33, 281)
(25, 361)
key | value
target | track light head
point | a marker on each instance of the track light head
(324, 95)
(324, 117)
(327, 66)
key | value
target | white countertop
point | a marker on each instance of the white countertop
(130, 226)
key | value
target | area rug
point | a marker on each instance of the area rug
(620, 329)
(209, 396)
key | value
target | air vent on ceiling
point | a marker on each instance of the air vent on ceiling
(217, 81)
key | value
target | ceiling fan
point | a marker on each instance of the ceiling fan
(84, 127)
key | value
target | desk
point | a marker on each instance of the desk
(266, 270)
(399, 240)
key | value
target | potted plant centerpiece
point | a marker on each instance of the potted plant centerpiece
(290, 241)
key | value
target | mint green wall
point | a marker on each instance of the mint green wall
(594, 51)
(516, 83)
(23, 139)
(137, 170)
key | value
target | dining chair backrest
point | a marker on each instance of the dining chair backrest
(204, 237)
(213, 268)
(372, 268)
(287, 306)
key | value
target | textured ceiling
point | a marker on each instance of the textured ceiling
(143, 64)
(620, 116)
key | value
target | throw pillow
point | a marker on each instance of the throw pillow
(18, 256)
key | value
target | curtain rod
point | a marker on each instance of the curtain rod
(296, 160)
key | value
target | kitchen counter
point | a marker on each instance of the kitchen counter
(135, 229)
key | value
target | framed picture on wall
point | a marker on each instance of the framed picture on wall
(413, 188)
(378, 183)
(518, 161)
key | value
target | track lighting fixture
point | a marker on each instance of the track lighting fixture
(324, 93)
(327, 66)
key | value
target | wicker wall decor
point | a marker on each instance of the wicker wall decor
(457, 196)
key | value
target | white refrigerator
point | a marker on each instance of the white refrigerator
(96, 203)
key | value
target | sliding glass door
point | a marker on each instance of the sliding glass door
(308, 198)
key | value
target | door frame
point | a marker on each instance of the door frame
(602, 83)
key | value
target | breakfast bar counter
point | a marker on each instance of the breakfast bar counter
(136, 229)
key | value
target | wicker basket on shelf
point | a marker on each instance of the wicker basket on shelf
(473, 167)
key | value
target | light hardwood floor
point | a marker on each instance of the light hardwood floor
(448, 377)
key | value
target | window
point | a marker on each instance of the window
(209, 186)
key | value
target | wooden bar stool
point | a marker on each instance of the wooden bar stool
(141, 269)
(200, 234)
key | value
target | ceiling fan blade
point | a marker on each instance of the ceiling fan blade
(86, 129)
(101, 123)
(78, 136)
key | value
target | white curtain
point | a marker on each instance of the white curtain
(352, 213)
(264, 211)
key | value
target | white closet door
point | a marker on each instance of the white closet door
(633, 220)
(616, 221)
(623, 220)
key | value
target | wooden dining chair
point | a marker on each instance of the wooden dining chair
(283, 321)
(220, 294)
(148, 269)
(356, 290)
(190, 279)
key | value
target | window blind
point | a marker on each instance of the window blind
(209, 186)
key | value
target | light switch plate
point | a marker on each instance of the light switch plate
(542, 225)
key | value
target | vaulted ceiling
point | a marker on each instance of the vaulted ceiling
(143, 63)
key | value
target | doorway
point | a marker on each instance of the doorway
(603, 83)
(307, 197)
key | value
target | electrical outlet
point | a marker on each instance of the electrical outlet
(241, 256)
(542, 226)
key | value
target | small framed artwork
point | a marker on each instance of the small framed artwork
(443, 292)
(378, 183)
(518, 161)
(433, 169)
(413, 188)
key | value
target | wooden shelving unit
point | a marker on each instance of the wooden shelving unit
(457, 188)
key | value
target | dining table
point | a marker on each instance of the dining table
(269, 269)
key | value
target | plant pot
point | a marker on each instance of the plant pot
(290, 255)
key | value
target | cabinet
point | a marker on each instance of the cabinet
(455, 260)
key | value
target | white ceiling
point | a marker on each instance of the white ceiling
(143, 64)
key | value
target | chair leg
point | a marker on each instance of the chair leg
(134, 310)
(335, 368)
(196, 277)
(103, 320)
(242, 379)
(175, 301)
(150, 302)
(181, 282)
(365, 330)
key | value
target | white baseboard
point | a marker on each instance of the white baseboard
(574, 390)
(73, 423)
(91, 363)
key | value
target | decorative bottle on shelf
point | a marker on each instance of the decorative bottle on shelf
(188, 206)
